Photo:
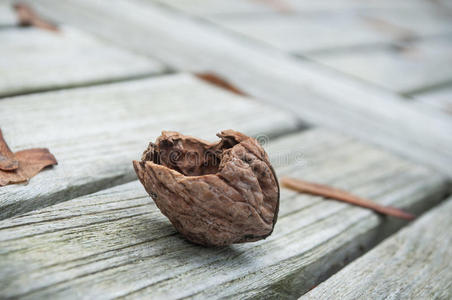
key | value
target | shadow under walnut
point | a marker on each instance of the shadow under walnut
(215, 194)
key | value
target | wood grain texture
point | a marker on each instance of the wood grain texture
(306, 33)
(411, 68)
(116, 242)
(209, 7)
(212, 8)
(43, 60)
(339, 31)
(317, 95)
(412, 264)
(7, 15)
(96, 132)
(372, 5)
(440, 99)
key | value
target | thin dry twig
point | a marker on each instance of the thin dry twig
(316, 189)
(220, 82)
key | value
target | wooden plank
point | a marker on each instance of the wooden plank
(208, 7)
(314, 32)
(7, 15)
(307, 32)
(412, 264)
(42, 60)
(368, 5)
(317, 95)
(440, 99)
(116, 242)
(414, 67)
(96, 132)
(416, 22)
(211, 8)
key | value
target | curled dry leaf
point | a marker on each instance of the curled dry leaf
(27, 17)
(214, 194)
(22, 165)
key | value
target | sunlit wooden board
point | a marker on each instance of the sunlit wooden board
(300, 33)
(338, 30)
(212, 8)
(412, 264)
(7, 16)
(408, 69)
(440, 99)
(36, 60)
(96, 132)
(315, 94)
(116, 243)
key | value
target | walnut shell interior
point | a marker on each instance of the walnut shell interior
(214, 194)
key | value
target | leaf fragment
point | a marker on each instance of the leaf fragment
(22, 165)
(28, 17)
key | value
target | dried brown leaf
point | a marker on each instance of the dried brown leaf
(7, 161)
(22, 165)
(27, 17)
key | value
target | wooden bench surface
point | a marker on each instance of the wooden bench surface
(409, 69)
(118, 73)
(315, 94)
(412, 264)
(349, 30)
(116, 242)
(7, 16)
(96, 132)
(43, 60)
(440, 99)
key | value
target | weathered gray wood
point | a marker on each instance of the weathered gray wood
(412, 264)
(439, 99)
(116, 242)
(412, 68)
(36, 60)
(338, 31)
(307, 32)
(7, 15)
(207, 7)
(341, 5)
(317, 95)
(256, 7)
(96, 132)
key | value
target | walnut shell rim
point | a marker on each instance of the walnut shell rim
(215, 194)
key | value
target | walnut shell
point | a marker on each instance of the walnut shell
(214, 194)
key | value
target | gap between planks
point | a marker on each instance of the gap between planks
(95, 146)
(315, 94)
(121, 245)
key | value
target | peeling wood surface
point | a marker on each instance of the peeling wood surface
(408, 69)
(43, 60)
(117, 243)
(317, 95)
(96, 132)
(412, 264)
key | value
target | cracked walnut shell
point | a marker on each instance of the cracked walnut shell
(214, 194)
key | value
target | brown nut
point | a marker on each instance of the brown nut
(214, 194)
